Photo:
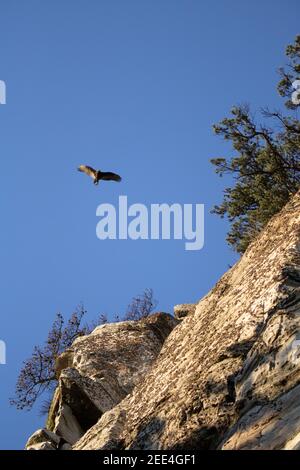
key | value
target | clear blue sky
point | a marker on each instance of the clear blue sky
(128, 86)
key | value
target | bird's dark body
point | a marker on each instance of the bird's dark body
(106, 175)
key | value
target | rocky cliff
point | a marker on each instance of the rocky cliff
(96, 373)
(225, 375)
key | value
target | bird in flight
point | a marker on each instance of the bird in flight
(98, 175)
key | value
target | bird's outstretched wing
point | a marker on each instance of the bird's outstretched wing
(88, 170)
(109, 176)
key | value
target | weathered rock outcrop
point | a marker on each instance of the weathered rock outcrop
(43, 439)
(183, 310)
(97, 372)
(227, 377)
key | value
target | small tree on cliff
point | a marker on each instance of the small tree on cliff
(38, 372)
(141, 306)
(266, 164)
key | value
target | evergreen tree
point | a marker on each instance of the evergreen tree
(266, 166)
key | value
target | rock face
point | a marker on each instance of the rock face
(226, 377)
(183, 310)
(97, 372)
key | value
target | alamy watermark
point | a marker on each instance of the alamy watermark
(159, 222)
(2, 92)
(2, 352)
